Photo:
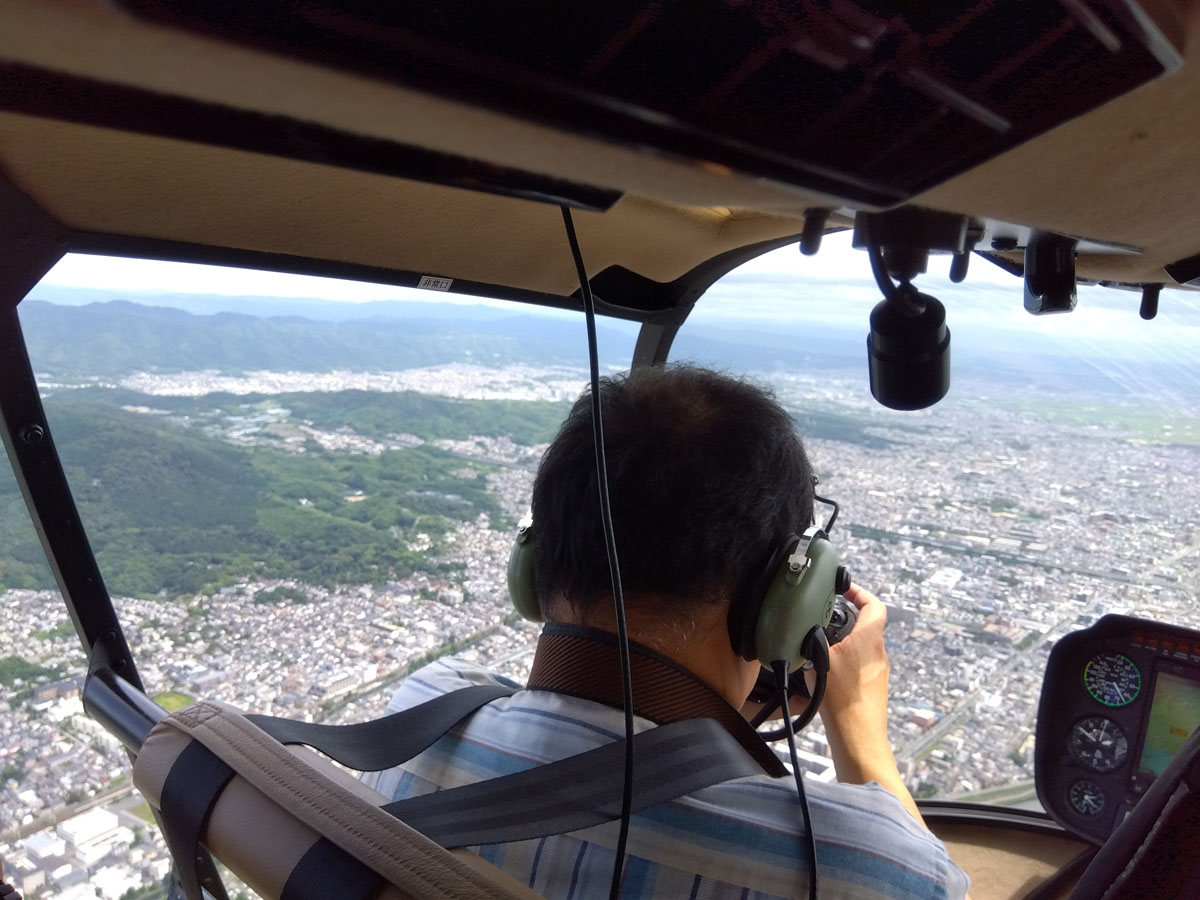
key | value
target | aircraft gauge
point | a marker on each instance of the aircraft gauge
(1098, 744)
(1112, 679)
(1086, 798)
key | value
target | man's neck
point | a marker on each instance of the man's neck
(581, 662)
(701, 646)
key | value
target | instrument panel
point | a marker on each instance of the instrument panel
(1118, 700)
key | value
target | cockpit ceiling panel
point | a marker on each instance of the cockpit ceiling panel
(873, 102)
(205, 195)
(94, 40)
(1125, 173)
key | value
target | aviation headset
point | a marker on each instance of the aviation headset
(802, 581)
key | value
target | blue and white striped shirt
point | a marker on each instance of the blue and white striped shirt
(740, 839)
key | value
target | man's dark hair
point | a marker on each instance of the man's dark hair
(707, 476)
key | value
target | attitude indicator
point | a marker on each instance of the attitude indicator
(1112, 679)
(1098, 744)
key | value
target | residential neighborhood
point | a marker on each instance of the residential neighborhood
(988, 541)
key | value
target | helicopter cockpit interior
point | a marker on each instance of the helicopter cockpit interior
(453, 151)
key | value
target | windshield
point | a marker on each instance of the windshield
(299, 490)
(1053, 484)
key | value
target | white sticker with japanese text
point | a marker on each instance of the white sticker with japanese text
(434, 283)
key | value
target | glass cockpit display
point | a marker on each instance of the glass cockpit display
(1174, 715)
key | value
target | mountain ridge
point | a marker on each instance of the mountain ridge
(120, 337)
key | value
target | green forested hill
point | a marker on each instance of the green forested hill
(170, 508)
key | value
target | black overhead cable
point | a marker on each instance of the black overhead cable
(610, 544)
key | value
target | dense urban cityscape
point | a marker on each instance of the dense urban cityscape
(990, 528)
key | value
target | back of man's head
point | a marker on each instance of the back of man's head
(706, 478)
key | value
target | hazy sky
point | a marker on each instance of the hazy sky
(835, 261)
(834, 287)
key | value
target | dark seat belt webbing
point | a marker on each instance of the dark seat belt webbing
(327, 872)
(578, 792)
(198, 776)
(189, 793)
(390, 741)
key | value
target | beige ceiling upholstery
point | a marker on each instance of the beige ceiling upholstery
(1128, 172)
(209, 195)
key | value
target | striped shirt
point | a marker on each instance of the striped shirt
(740, 839)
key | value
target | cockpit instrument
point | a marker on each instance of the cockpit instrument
(1098, 744)
(1112, 679)
(1118, 700)
(1086, 798)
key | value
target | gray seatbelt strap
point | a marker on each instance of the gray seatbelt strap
(573, 793)
(579, 791)
(390, 741)
(567, 795)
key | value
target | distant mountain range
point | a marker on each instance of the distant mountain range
(314, 308)
(118, 337)
(70, 332)
(155, 494)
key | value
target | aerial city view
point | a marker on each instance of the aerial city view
(293, 509)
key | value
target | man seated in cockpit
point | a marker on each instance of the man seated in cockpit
(707, 478)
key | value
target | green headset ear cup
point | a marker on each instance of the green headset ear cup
(743, 615)
(796, 602)
(520, 577)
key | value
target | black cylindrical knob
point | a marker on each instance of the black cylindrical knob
(959, 266)
(1149, 307)
(842, 581)
(814, 229)
(908, 353)
(842, 622)
(1050, 274)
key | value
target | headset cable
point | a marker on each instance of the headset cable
(816, 648)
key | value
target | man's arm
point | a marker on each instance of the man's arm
(854, 711)
(855, 707)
